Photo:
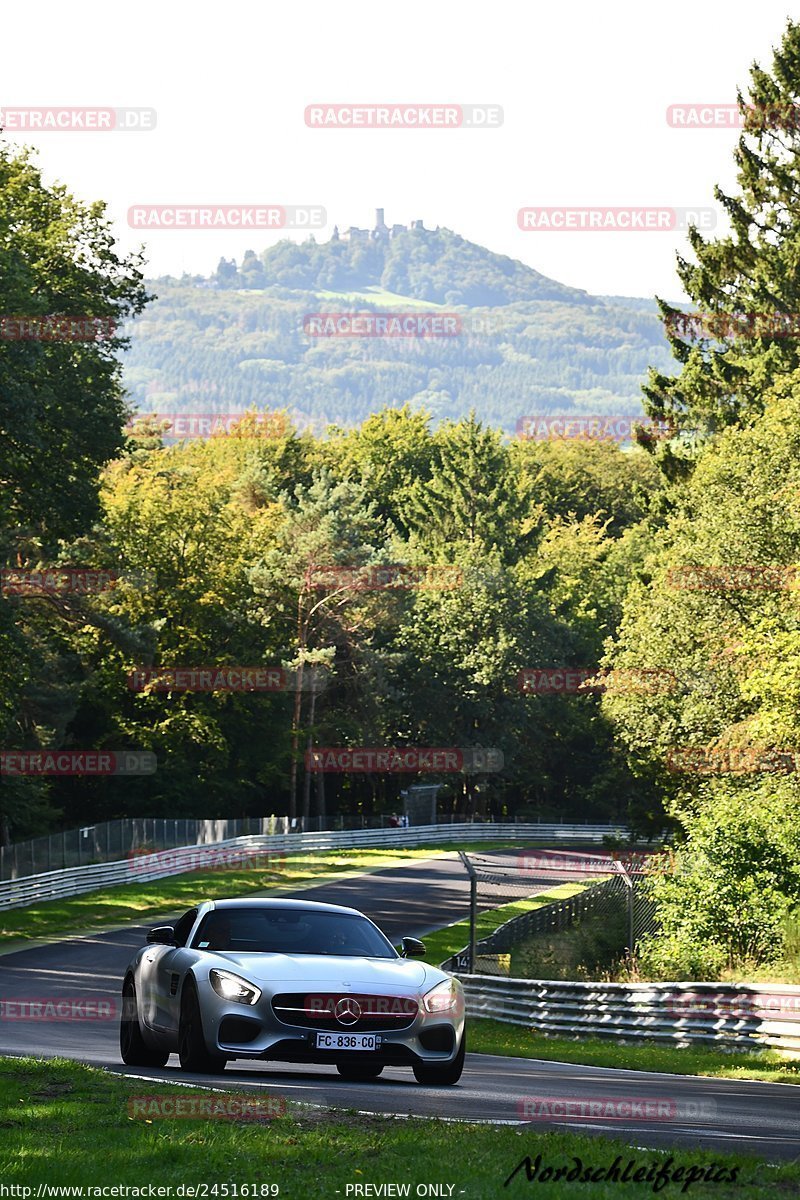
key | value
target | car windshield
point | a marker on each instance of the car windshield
(290, 931)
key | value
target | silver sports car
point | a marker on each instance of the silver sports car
(292, 981)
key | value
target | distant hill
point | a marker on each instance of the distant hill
(433, 265)
(525, 343)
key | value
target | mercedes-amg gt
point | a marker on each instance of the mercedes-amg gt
(291, 981)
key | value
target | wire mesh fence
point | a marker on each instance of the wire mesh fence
(110, 841)
(600, 908)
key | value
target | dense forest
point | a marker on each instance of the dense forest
(660, 579)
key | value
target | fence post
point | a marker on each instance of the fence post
(629, 886)
(473, 907)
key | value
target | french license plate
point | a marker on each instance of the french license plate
(347, 1041)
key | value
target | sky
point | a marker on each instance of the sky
(584, 90)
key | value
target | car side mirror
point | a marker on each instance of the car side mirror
(162, 935)
(413, 948)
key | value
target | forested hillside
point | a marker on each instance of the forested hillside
(526, 344)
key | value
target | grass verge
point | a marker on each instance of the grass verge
(68, 1125)
(495, 1037)
(139, 903)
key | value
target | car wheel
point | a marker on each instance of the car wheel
(358, 1071)
(191, 1044)
(132, 1046)
(445, 1076)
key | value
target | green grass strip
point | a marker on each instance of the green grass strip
(496, 1037)
(140, 903)
(66, 1125)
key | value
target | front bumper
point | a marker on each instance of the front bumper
(244, 1031)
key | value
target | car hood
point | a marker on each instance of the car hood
(329, 970)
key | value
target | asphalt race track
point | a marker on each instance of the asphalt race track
(747, 1117)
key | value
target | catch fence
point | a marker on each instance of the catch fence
(614, 895)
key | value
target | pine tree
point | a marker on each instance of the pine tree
(746, 286)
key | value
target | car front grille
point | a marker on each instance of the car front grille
(317, 1010)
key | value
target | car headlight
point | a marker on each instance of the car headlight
(444, 998)
(233, 987)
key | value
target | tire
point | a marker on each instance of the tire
(358, 1072)
(191, 1044)
(133, 1048)
(435, 1076)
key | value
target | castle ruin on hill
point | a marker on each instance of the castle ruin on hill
(380, 232)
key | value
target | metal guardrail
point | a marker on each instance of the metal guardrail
(111, 841)
(75, 881)
(735, 1016)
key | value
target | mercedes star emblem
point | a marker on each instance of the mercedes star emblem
(347, 1011)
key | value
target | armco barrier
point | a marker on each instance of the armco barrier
(75, 881)
(735, 1016)
(110, 841)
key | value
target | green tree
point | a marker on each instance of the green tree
(61, 401)
(574, 478)
(472, 495)
(724, 899)
(61, 414)
(389, 454)
(715, 607)
(742, 278)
